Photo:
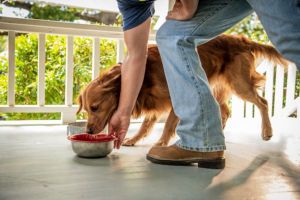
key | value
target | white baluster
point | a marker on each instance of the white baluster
(11, 68)
(237, 107)
(69, 72)
(120, 50)
(291, 80)
(249, 110)
(69, 115)
(279, 89)
(96, 58)
(41, 69)
(269, 86)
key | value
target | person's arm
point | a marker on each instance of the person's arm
(132, 76)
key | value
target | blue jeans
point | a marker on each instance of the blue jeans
(200, 127)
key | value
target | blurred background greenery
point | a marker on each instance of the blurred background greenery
(27, 54)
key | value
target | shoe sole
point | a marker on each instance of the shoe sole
(218, 163)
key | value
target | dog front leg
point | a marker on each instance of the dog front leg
(143, 132)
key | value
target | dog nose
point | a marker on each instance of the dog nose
(89, 130)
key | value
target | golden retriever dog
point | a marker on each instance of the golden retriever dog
(229, 63)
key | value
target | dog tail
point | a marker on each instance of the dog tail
(268, 52)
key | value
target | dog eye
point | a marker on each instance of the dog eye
(94, 108)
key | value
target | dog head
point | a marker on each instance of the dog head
(100, 99)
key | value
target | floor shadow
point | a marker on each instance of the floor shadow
(292, 170)
(217, 191)
(104, 161)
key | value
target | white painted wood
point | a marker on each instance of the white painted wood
(298, 111)
(269, 85)
(61, 28)
(11, 68)
(261, 68)
(69, 72)
(237, 107)
(249, 110)
(256, 110)
(120, 50)
(290, 108)
(37, 162)
(29, 122)
(278, 101)
(68, 110)
(96, 58)
(39, 109)
(291, 80)
(41, 69)
(68, 116)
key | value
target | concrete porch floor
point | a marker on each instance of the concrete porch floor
(37, 162)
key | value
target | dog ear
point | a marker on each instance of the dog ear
(111, 76)
(80, 104)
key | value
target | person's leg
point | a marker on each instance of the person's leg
(200, 127)
(281, 20)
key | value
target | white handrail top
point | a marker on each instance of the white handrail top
(60, 28)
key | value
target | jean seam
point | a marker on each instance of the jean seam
(213, 12)
(197, 85)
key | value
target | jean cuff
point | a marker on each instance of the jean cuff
(201, 149)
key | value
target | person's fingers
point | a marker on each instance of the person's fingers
(115, 143)
(122, 135)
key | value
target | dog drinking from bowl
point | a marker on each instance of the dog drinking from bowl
(229, 63)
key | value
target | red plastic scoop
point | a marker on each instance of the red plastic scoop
(85, 137)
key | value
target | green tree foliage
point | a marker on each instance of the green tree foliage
(251, 28)
(56, 13)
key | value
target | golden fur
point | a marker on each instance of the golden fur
(229, 63)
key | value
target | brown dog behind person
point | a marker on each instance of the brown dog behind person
(229, 63)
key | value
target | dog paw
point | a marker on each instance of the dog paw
(128, 142)
(267, 133)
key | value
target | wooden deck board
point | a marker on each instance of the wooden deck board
(36, 162)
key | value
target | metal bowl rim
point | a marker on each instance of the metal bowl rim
(72, 140)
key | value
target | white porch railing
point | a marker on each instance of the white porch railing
(42, 27)
(240, 109)
(275, 98)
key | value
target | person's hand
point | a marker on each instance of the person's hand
(118, 126)
(183, 10)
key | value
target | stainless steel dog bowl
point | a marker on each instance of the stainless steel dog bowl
(92, 146)
(79, 127)
(76, 128)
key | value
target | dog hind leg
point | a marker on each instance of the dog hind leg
(169, 130)
(222, 95)
(244, 83)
